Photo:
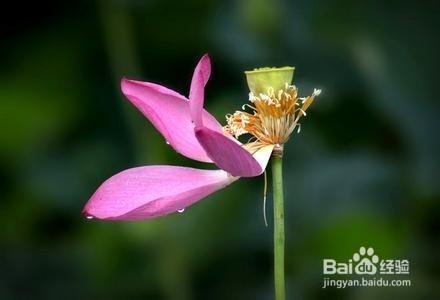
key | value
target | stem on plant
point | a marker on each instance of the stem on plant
(278, 232)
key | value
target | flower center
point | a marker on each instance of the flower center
(273, 115)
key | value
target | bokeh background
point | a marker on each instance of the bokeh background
(364, 171)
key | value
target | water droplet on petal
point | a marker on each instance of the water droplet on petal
(89, 217)
(181, 210)
(167, 142)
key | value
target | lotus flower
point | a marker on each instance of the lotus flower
(153, 191)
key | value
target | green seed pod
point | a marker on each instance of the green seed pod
(259, 80)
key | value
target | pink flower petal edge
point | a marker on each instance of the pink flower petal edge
(197, 91)
(153, 191)
(169, 112)
(263, 154)
(227, 154)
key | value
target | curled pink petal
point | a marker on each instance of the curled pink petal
(197, 91)
(153, 191)
(227, 154)
(169, 112)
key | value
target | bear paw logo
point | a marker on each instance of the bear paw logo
(365, 261)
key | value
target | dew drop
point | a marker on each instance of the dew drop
(167, 142)
(89, 217)
(181, 210)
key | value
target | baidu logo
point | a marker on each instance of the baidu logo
(365, 262)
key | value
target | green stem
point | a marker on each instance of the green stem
(278, 232)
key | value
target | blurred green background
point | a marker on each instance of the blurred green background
(363, 172)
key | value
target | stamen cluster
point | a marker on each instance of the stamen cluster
(273, 117)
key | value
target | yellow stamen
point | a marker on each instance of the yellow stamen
(273, 115)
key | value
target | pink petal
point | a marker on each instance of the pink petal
(153, 191)
(197, 91)
(170, 114)
(227, 154)
(262, 155)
